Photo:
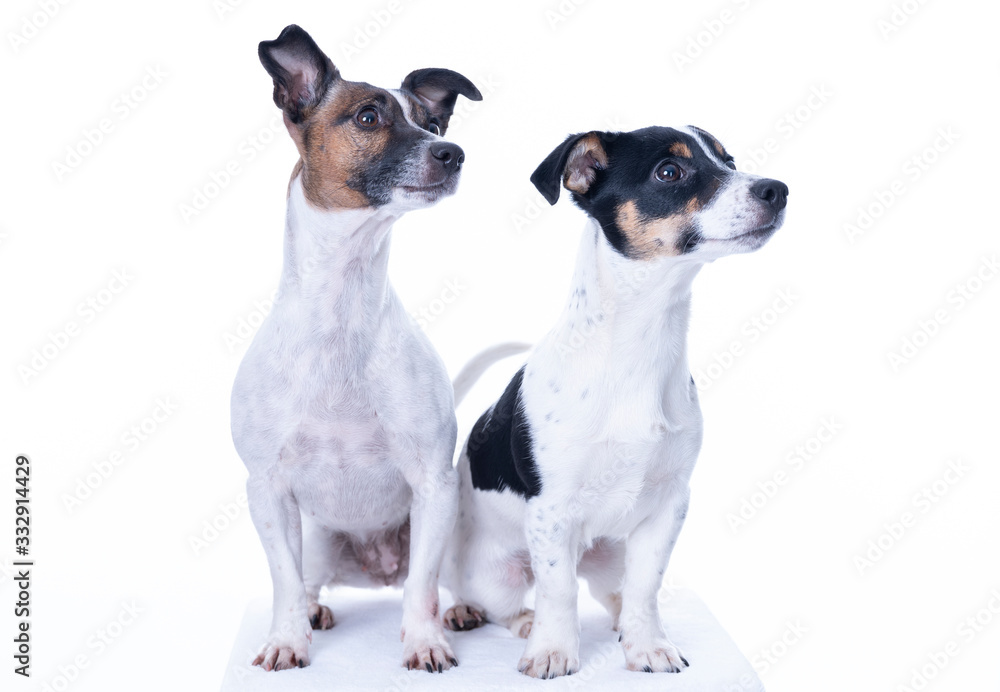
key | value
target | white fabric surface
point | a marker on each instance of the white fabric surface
(363, 652)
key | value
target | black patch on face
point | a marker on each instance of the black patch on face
(630, 175)
(499, 447)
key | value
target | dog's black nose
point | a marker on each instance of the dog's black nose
(773, 192)
(450, 155)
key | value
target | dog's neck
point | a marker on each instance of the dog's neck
(629, 316)
(336, 263)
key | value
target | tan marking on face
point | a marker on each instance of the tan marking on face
(587, 155)
(718, 148)
(650, 238)
(681, 149)
(334, 148)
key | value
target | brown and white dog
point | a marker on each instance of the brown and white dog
(342, 410)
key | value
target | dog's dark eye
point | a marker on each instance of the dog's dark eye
(434, 129)
(367, 117)
(668, 172)
(731, 164)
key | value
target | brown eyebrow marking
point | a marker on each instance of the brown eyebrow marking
(681, 149)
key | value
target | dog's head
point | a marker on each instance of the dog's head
(362, 146)
(664, 192)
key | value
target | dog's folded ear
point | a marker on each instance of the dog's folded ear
(574, 163)
(439, 89)
(301, 71)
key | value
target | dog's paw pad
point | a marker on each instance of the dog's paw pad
(661, 657)
(282, 657)
(321, 617)
(548, 664)
(434, 657)
(462, 617)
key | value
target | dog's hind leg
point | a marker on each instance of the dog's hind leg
(321, 549)
(603, 566)
(492, 589)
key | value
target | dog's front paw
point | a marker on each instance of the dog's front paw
(282, 653)
(462, 617)
(320, 617)
(429, 652)
(659, 657)
(546, 663)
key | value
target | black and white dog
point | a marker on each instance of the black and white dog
(582, 466)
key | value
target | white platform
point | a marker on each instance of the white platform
(363, 652)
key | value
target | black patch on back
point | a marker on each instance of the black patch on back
(499, 446)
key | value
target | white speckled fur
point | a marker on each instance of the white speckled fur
(616, 429)
(343, 413)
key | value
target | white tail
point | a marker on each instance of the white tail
(480, 363)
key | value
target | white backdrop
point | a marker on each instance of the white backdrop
(844, 516)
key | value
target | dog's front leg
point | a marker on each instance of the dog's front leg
(554, 643)
(647, 552)
(276, 516)
(432, 518)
